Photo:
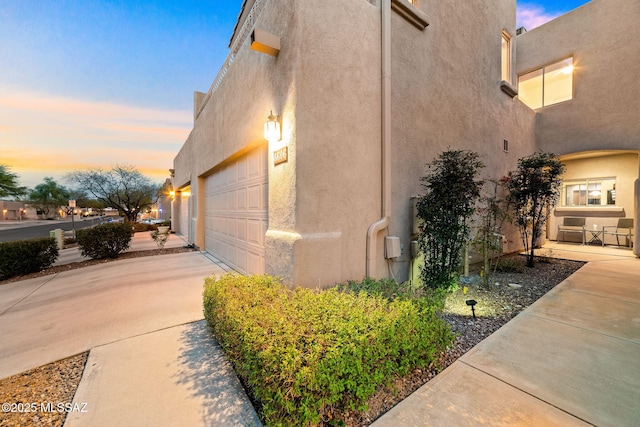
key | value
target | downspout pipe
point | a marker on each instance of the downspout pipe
(385, 219)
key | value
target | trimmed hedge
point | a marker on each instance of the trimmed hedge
(104, 240)
(309, 354)
(139, 227)
(26, 256)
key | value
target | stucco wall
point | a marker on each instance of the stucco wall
(325, 83)
(604, 38)
(446, 95)
(337, 142)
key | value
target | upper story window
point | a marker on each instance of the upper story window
(547, 85)
(506, 57)
(589, 192)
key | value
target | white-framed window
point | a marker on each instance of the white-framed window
(506, 57)
(589, 192)
(547, 85)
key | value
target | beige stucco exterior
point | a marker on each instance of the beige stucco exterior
(597, 133)
(326, 84)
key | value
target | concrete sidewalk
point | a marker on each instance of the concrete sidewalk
(571, 358)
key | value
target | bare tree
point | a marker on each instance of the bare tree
(123, 188)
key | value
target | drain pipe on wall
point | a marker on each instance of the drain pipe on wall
(383, 222)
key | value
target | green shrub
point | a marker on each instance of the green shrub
(307, 354)
(26, 256)
(105, 240)
(139, 227)
(388, 288)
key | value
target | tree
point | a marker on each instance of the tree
(84, 201)
(445, 211)
(48, 197)
(123, 188)
(9, 183)
(492, 211)
(534, 189)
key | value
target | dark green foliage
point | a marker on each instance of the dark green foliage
(534, 189)
(308, 355)
(387, 288)
(105, 240)
(48, 197)
(445, 210)
(139, 227)
(9, 183)
(26, 256)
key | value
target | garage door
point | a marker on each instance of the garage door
(236, 212)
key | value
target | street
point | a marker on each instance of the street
(29, 229)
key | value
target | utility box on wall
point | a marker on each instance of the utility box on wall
(392, 247)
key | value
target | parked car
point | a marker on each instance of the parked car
(152, 221)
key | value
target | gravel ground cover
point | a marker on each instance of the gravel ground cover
(496, 305)
(509, 294)
(40, 397)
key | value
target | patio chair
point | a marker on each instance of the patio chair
(623, 229)
(572, 225)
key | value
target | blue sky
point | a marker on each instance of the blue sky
(94, 83)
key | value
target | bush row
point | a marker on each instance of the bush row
(306, 354)
(105, 240)
(26, 256)
(139, 227)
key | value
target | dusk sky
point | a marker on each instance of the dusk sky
(96, 83)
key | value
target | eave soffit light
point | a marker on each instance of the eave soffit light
(264, 42)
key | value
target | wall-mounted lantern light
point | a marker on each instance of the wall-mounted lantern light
(273, 128)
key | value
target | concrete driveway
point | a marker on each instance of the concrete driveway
(49, 318)
(152, 360)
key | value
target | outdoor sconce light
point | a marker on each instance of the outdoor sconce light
(472, 303)
(273, 128)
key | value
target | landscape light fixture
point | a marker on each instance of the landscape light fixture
(472, 303)
(273, 128)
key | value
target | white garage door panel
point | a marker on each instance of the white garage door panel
(236, 215)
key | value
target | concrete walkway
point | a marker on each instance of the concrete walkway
(152, 360)
(570, 359)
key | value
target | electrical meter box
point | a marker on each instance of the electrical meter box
(392, 247)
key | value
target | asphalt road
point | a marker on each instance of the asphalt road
(36, 231)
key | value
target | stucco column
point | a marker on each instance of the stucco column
(636, 243)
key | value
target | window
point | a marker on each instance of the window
(589, 192)
(506, 57)
(547, 85)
